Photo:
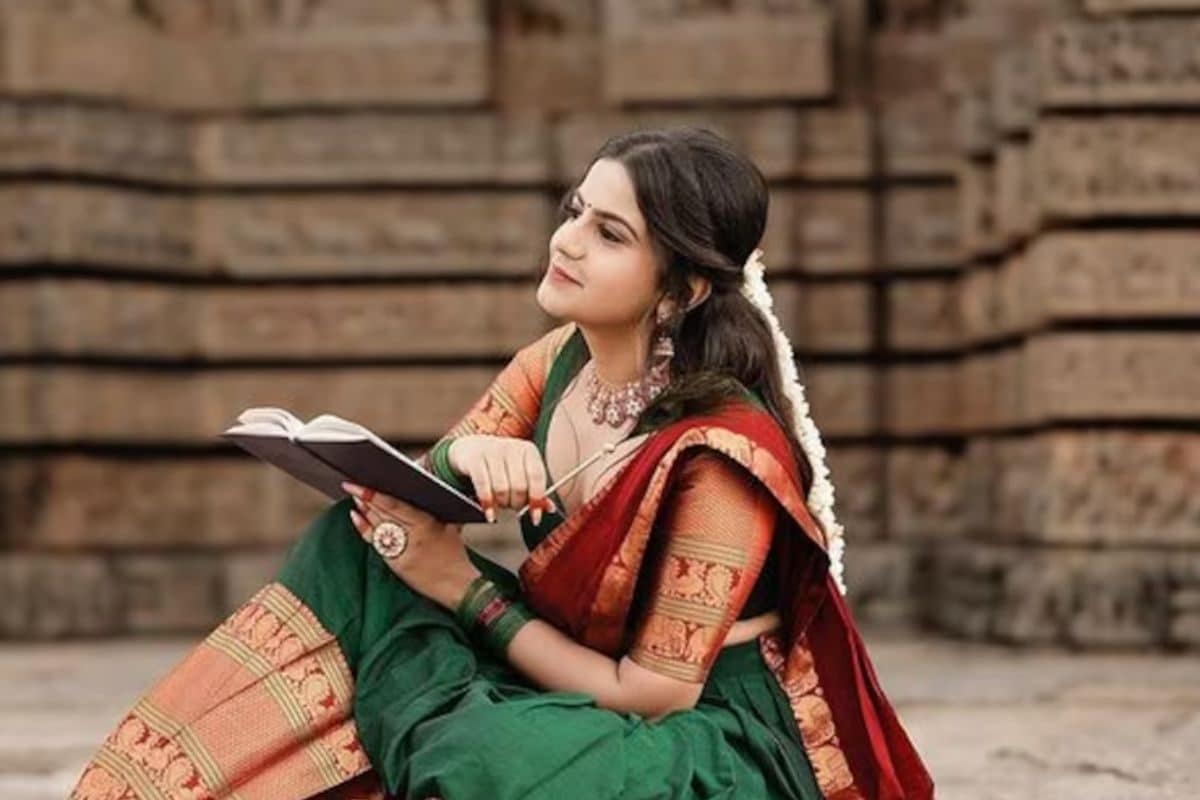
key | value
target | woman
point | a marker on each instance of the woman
(676, 631)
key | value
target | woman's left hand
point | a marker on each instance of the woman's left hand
(434, 562)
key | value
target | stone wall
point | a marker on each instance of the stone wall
(977, 241)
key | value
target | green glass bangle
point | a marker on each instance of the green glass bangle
(439, 458)
(478, 593)
(502, 632)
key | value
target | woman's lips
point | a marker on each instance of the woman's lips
(559, 273)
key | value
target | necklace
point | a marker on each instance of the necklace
(614, 405)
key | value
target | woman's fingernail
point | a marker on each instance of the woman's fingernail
(350, 487)
(490, 513)
(537, 516)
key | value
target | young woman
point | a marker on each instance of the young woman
(677, 629)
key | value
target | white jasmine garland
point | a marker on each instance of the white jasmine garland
(820, 496)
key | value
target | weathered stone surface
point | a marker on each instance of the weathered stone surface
(176, 592)
(1123, 6)
(78, 502)
(81, 225)
(549, 55)
(926, 489)
(1086, 597)
(842, 398)
(655, 54)
(49, 596)
(831, 316)
(992, 384)
(244, 573)
(921, 227)
(397, 321)
(857, 474)
(1098, 64)
(978, 217)
(819, 231)
(922, 398)
(782, 142)
(883, 578)
(1119, 165)
(67, 138)
(1016, 204)
(333, 234)
(1114, 274)
(1014, 91)
(1112, 375)
(924, 314)
(195, 407)
(917, 136)
(374, 147)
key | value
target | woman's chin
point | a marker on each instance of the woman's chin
(552, 301)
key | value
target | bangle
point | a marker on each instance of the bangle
(490, 616)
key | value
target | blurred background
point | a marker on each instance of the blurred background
(981, 241)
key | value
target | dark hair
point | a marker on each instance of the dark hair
(705, 206)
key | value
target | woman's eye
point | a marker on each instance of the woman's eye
(607, 234)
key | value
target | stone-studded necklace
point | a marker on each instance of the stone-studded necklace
(614, 405)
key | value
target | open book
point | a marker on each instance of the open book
(327, 450)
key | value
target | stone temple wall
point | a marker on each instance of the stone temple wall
(978, 241)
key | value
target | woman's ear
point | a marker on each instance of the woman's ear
(701, 289)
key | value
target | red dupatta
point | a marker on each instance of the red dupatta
(582, 578)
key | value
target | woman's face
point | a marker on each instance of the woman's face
(602, 244)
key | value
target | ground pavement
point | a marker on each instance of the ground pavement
(992, 723)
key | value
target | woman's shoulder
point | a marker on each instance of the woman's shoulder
(541, 352)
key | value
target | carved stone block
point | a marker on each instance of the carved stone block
(833, 316)
(917, 136)
(59, 137)
(374, 147)
(925, 488)
(1014, 91)
(1114, 274)
(1119, 63)
(924, 314)
(53, 596)
(1081, 597)
(991, 385)
(1112, 375)
(176, 592)
(782, 142)
(1117, 166)
(654, 52)
(426, 320)
(922, 398)
(195, 407)
(1015, 204)
(882, 580)
(841, 397)
(446, 64)
(921, 227)
(820, 231)
(978, 217)
(857, 475)
(275, 235)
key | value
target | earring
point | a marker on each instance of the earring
(664, 344)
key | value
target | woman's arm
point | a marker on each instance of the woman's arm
(718, 524)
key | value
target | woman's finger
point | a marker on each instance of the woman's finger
(482, 481)
(495, 467)
(518, 481)
(535, 477)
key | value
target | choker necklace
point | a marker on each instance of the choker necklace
(615, 405)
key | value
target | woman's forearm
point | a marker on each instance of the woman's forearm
(555, 662)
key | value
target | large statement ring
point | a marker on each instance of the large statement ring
(390, 539)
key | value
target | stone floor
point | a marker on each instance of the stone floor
(992, 723)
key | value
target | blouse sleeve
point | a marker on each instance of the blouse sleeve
(509, 406)
(717, 528)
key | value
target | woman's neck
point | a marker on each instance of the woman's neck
(619, 356)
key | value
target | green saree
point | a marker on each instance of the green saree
(438, 717)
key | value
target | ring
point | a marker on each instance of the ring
(389, 538)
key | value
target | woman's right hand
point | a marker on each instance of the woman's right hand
(506, 472)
